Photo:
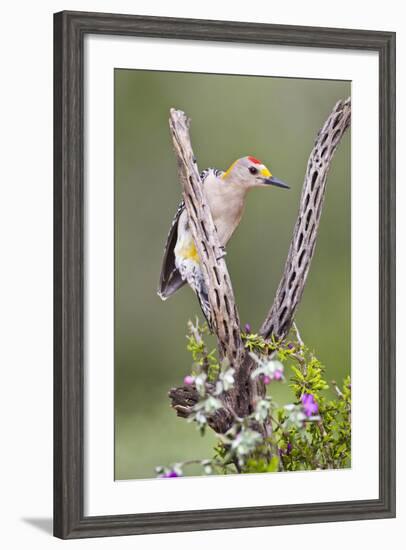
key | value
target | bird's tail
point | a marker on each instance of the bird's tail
(192, 274)
(203, 298)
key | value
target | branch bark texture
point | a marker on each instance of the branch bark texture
(281, 315)
(224, 314)
(225, 319)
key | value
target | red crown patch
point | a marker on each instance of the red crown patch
(254, 160)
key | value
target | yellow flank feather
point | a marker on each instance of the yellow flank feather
(189, 253)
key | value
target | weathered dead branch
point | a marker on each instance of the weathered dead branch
(241, 399)
(224, 314)
(225, 319)
(301, 250)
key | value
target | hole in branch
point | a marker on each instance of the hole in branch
(217, 298)
(227, 334)
(314, 178)
(336, 120)
(216, 273)
(307, 200)
(226, 303)
(204, 230)
(282, 314)
(292, 278)
(300, 241)
(284, 329)
(192, 203)
(309, 215)
(302, 255)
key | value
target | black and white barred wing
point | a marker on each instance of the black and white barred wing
(175, 273)
(171, 280)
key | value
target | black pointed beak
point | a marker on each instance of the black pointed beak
(275, 181)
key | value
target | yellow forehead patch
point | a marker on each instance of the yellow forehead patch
(263, 171)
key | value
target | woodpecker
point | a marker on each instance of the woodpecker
(225, 193)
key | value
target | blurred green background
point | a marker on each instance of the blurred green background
(274, 119)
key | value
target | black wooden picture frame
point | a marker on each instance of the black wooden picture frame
(70, 29)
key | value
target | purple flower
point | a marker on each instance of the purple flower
(266, 379)
(171, 473)
(247, 327)
(188, 380)
(310, 406)
(288, 449)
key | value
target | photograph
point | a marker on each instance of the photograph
(232, 274)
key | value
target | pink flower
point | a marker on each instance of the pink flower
(188, 380)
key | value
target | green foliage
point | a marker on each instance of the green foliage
(261, 465)
(203, 360)
(313, 432)
(327, 442)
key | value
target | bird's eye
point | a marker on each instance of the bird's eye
(253, 170)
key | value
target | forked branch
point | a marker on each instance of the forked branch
(241, 399)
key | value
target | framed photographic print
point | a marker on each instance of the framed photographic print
(224, 274)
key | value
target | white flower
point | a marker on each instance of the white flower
(262, 410)
(200, 382)
(296, 416)
(268, 367)
(211, 404)
(227, 378)
(200, 418)
(246, 442)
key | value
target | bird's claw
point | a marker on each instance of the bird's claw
(223, 253)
